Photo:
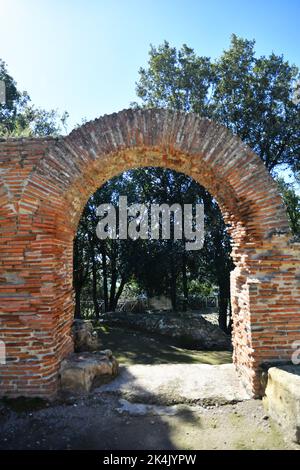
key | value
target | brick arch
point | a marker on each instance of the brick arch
(185, 142)
(47, 183)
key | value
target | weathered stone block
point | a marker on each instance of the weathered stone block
(282, 399)
(80, 371)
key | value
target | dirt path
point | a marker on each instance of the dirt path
(110, 423)
(171, 398)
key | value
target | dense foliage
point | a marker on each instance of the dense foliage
(153, 267)
(18, 117)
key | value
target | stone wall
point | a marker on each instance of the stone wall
(45, 184)
(189, 329)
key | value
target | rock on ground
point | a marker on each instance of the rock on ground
(80, 371)
(191, 329)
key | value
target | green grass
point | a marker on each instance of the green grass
(134, 347)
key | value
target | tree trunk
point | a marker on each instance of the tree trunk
(173, 286)
(224, 299)
(229, 326)
(94, 276)
(104, 271)
(184, 282)
(114, 277)
(80, 273)
(119, 292)
(95, 297)
(77, 303)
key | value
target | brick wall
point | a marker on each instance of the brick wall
(45, 184)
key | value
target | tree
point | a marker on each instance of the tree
(292, 201)
(81, 267)
(109, 263)
(154, 266)
(18, 117)
(176, 79)
(253, 97)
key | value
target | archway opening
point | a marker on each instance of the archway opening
(155, 280)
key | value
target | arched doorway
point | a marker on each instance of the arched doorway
(45, 185)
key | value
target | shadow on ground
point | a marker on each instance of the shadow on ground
(104, 421)
(133, 347)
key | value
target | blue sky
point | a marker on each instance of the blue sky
(83, 56)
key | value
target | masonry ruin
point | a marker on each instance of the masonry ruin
(45, 184)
